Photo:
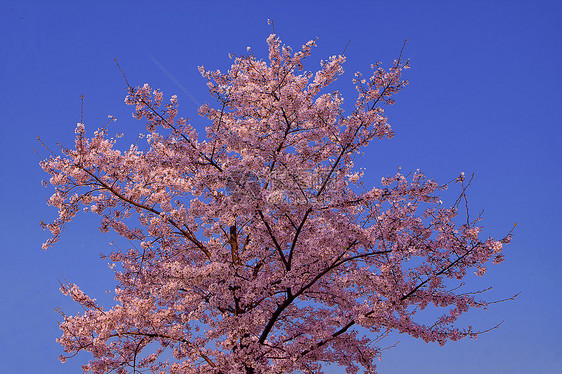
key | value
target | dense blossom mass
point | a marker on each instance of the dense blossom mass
(258, 249)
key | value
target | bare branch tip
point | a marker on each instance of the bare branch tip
(270, 22)
(402, 50)
(121, 71)
(82, 108)
(345, 49)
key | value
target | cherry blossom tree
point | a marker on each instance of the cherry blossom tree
(258, 249)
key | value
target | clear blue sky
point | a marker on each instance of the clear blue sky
(484, 87)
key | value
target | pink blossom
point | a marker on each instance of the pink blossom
(257, 249)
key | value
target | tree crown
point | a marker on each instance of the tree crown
(257, 249)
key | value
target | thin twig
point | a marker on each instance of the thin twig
(123, 74)
(82, 108)
(345, 49)
(402, 50)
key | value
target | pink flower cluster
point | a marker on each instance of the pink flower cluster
(256, 250)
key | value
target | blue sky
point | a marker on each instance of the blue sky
(484, 84)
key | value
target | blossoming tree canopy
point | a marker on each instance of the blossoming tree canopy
(257, 249)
